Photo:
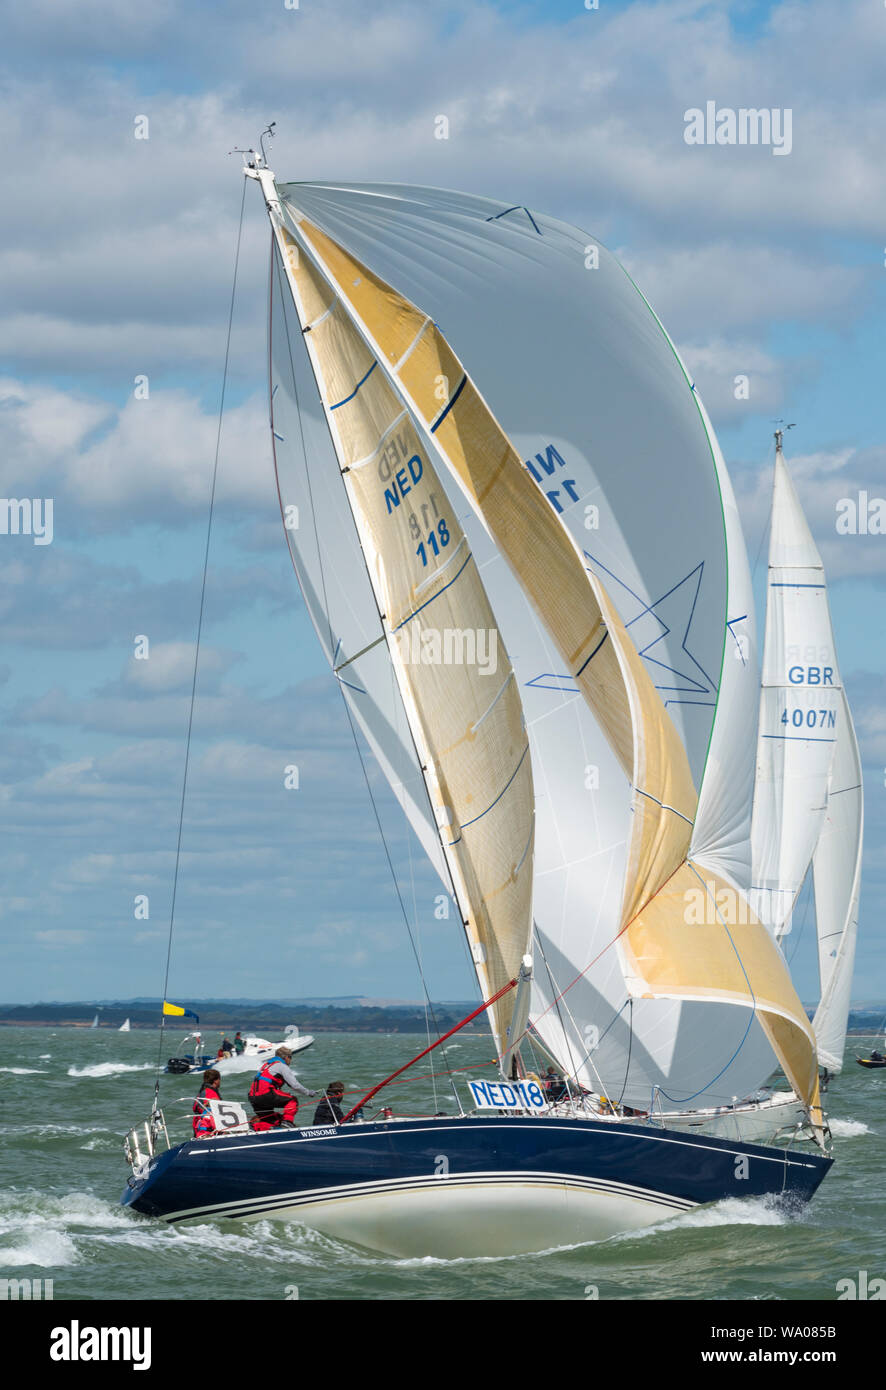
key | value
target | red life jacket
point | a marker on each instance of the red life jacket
(204, 1124)
(266, 1084)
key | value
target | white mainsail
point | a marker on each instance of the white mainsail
(800, 702)
(665, 956)
(124, 1026)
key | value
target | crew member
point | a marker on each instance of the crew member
(329, 1111)
(204, 1124)
(239, 1044)
(266, 1094)
(555, 1086)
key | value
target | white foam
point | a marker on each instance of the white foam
(45, 1057)
(847, 1129)
(110, 1068)
(44, 1231)
(53, 1129)
(46, 1249)
(732, 1211)
(25, 1071)
(27, 1207)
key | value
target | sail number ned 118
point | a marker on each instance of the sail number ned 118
(507, 1095)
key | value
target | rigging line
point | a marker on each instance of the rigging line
(417, 921)
(598, 956)
(630, 1049)
(276, 264)
(181, 815)
(806, 900)
(767, 520)
(556, 1001)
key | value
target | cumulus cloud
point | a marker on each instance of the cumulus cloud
(116, 258)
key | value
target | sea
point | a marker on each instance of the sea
(68, 1095)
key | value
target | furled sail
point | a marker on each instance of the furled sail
(836, 867)
(800, 703)
(590, 390)
(452, 670)
(707, 961)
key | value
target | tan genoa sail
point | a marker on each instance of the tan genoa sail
(456, 681)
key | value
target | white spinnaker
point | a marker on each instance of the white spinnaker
(329, 563)
(669, 1044)
(837, 876)
(799, 707)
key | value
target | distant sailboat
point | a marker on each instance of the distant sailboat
(808, 801)
(94, 1023)
(124, 1027)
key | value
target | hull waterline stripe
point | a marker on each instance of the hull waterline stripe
(319, 1196)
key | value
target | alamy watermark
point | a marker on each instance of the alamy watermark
(29, 516)
(861, 515)
(724, 125)
(25, 1290)
(449, 646)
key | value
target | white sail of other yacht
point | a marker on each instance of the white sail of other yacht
(800, 705)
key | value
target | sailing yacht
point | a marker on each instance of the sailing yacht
(808, 800)
(124, 1026)
(522, 556)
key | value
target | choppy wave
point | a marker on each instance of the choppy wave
(42, 1231)
(16, 1131)
(733, 1211)
(110, 1068)
(848, 1129)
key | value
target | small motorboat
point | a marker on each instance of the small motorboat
(871, 1062)
(256, 1051)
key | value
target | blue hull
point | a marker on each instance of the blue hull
(490, 1184)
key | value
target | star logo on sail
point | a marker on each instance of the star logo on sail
(661, 632)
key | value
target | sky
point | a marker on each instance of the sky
(116, 264)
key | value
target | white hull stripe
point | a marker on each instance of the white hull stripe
(255, 1205)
